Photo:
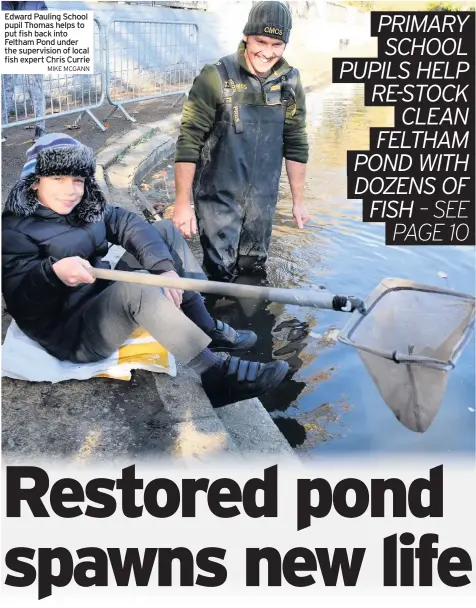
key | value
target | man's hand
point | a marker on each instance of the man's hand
(72, 271)
(184, 219)
(297, 176)
(184, 216)
(300, 214)
(172, 294)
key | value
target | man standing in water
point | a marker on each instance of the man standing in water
(244, 115)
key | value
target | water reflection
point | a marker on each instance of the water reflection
(339, 408)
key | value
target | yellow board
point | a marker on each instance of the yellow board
(140, 351)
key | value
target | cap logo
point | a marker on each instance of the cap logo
(273, 30)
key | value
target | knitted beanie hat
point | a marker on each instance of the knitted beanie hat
(271, 19)
(58, 154)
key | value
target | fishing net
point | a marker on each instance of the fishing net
(409, 339)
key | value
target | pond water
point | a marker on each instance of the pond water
(340, 408)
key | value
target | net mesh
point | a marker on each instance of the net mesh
(409, 339)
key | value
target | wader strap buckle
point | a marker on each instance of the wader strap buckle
(273, 96)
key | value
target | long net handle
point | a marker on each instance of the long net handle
(317, 299)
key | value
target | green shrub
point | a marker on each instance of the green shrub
(443, 6)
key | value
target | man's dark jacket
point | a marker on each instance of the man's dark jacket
(35, 237)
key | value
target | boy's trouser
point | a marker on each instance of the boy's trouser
(110, 317)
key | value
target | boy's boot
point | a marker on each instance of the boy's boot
(225, 338)
(236, 380)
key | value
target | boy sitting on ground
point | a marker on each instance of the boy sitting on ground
(57, 224)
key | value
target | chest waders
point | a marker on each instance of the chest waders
(237, 177)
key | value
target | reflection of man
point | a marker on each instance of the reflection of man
(33, 83)
(243, 115)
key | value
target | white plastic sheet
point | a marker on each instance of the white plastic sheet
(24, 359)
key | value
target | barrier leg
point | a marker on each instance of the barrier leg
(179, 99)
(122, 109)
(91, 115)
(96, 120)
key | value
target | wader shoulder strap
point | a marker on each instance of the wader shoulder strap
(288, 90)
(229, 77)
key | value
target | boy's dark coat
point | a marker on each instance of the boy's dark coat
(35, 237)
